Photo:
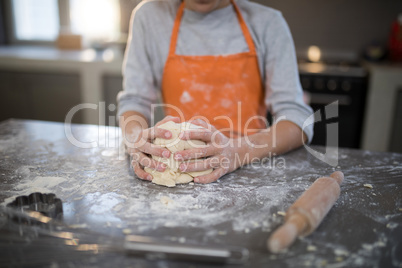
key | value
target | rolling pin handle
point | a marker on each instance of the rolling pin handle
(287, 233)
(338, 176)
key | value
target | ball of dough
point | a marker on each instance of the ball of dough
(172, 175)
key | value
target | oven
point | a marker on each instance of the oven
(324, 84)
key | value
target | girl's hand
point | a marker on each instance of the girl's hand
(142, 149)
(219, 153)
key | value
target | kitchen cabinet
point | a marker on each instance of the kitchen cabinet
(380, 124)
(112, 85)
(61, 78)
(396, 141)
(39, 95)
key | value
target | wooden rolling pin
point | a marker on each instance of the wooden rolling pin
(303, 217)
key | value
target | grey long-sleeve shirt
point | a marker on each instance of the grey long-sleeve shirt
(214, 33)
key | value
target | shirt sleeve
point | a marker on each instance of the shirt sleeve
(139, 90)
(284, 95)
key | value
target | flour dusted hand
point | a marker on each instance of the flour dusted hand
(172, 175)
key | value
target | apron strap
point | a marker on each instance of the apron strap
(177, 21)
(175, 31)
(244, 29)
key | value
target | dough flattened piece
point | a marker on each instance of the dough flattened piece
(164, 182)
(200, 173)
(166, 178)
(184, 178)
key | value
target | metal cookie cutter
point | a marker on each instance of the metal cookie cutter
(47, 204)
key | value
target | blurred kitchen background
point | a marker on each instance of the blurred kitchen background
(56, 54)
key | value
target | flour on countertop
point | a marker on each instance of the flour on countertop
(106, 190)
(37, 184)
(99, 189)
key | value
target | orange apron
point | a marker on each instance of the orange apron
(224, 90)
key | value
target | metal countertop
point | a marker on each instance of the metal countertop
(100, 193)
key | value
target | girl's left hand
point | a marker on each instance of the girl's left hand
(219, 153)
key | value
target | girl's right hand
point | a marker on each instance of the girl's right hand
(142, 149)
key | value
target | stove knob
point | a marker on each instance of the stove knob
(319, 84)
(305, 83)
(346, 86)
(331, 85)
